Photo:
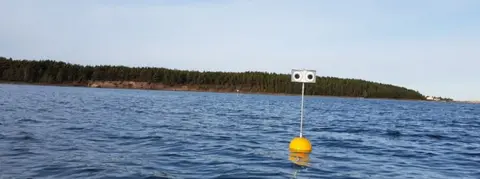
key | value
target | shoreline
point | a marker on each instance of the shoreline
(193, 88)
(189, 88)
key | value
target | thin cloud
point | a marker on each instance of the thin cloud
(425, 45)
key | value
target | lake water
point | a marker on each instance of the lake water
(72, 132)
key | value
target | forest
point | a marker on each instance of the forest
(58, 72)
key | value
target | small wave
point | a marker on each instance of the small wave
(221, 114)
(470, 154)
(344, 143)
(275, 117)
(28, 120)
(26, 137)
(436, 136)
(22, 136)
(222, 138)
(159, 175)
(180, 113)
(151, 175)
(17, 153)
(107, 107)
(236, 110)
(9, 109)
(74, 128)
(322, 129)
(248, 116)
(63, 102)
(21, 151)
(68, 148)
(393, 133)
(135, 137)
(356, 130)
(89, 170)
(235, 149)
(60, 171)
(42, 110)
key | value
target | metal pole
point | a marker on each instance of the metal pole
(301, 111)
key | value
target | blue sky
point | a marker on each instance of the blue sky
(430, 45)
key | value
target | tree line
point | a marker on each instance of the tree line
(58, 72)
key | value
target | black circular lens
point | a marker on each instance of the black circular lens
(297, 76)
(310, 76)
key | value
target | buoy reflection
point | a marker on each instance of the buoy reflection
(299, 158)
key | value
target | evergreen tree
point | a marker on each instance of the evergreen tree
(55, 72)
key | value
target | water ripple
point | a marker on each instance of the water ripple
(63, 132)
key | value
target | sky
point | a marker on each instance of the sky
(432, 46)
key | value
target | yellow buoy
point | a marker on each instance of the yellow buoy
(300, 144)
(300, 147)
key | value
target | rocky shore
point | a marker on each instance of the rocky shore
(151, 86)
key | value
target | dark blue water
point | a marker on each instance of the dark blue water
(66, 132)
